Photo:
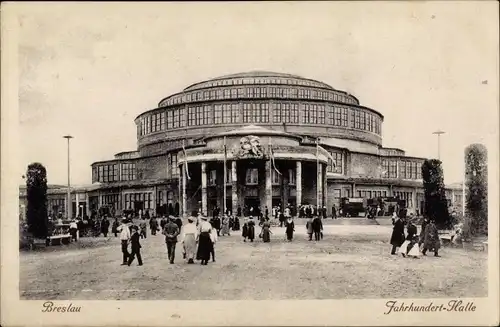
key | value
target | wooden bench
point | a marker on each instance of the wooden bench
(446, 238)
(59, 239)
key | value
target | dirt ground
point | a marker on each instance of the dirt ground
(351, 262)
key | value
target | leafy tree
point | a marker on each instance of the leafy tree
(476, 181)
(36, 184)
(436, 205)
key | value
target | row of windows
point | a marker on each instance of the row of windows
(259, 80)
(259, 92)
(407, 169)
(151, 124)
(252, 177)
(259, 112)
(172, 168)
(337, 165)
(56, 205)
(407, 196)
(371, 194)
(110, 173)
(141, 200)
(410, 170)
(112, 200)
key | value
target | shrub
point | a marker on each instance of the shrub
(436, 205)
(476, 181)
(36, 184)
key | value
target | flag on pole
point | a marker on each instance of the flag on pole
(328, 154)
(271, 156)
(225, 175)
(185, 161)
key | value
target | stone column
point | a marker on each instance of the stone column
(179, 191)
(319, 185)
(204, 188)
(234, 188)
(269, 190)
(298, 184)
(414, 200)
(77, 199)
(184, 191)
(325, 189)
(87, 204)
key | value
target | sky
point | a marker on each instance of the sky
(89, 69)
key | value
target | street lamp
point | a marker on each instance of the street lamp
(69, 202)
(438, 133)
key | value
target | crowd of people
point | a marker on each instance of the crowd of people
(414, 245)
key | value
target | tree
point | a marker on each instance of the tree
(436, 205)
(36, 184)
(476, 181)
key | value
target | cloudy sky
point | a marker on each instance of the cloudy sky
(90, 69)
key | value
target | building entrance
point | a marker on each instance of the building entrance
(252, 202)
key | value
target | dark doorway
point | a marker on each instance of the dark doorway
(252, 202)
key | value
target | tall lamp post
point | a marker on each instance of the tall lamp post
(69, 203)
(438, 133)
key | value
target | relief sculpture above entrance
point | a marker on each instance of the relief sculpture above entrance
(250, 147)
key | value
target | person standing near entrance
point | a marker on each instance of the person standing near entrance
(171, 231)
(334, 212)
(124, 238)
(317, 226)
(309, 227)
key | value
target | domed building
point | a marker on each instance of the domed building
(284, 139)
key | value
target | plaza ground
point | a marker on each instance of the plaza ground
(352, 262)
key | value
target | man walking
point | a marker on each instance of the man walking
(136, 247)
(171, 231)
(124, 238)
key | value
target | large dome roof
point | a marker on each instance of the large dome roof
(257, 77)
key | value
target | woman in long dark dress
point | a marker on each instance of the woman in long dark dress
(236, 223)
(266, 231)
(205, 245)
(398, 234)
(251, 230)
(244, 230)
(290, 228)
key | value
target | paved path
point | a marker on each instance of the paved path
(350, 262)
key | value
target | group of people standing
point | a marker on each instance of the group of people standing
(409, 245)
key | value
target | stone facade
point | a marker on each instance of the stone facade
(289, 115)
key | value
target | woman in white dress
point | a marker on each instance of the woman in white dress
(189, 235)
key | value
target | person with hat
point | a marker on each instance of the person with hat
(251, 229)
(244, 230)
(189, 235)
(431, 239)
(205, 245)
(124, 238)
(135, 246)
(398, 234)
(171, 231)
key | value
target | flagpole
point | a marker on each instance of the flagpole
(317, 171)
(184, 180)
(225, 175)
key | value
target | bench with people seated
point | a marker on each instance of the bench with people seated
(60, 235)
